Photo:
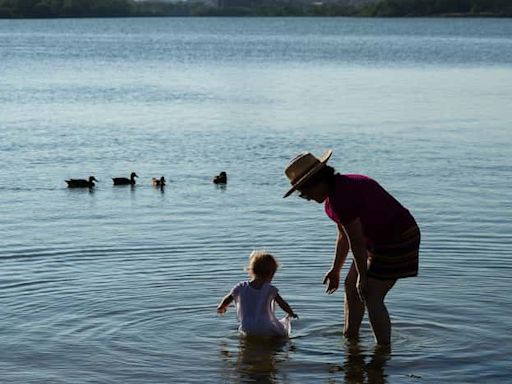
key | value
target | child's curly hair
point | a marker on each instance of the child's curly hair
(262, 265)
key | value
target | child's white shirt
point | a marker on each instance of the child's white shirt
(255, 310)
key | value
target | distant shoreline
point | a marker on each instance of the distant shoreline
(55, 9)
(440, 16)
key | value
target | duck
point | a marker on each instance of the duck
(124, 180)
(158, 182)
(81, 183)
(221, 178)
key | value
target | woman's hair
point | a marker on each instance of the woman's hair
(326, 175)
(262, 264)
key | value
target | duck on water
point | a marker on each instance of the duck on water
(124, 180)
(158, 182)
(221, 178)
(81, 183)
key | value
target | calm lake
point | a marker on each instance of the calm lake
(120, 284)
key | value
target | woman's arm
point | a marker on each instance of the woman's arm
(355, 234)
(285, 306)
(333, 276)
(224, 304)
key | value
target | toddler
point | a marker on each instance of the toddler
(255, 299)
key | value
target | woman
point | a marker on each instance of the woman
(382, 234)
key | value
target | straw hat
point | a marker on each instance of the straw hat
(302, 167)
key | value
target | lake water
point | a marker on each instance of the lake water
(120, 284)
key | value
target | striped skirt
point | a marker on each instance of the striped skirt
(395, 260)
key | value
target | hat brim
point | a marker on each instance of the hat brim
(323, 160)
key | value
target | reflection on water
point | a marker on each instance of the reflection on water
(257, 360)
(360, 368)
(160, 187)
(220, 187)
(264, 360)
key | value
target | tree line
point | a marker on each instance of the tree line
(395, 8)
(131, 8)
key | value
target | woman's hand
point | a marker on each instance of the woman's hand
(332, 278)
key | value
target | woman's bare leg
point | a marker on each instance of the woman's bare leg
(353, 306)
(377, 311)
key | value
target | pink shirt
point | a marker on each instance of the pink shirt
(382, 217)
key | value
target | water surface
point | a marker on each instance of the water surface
(120, 284)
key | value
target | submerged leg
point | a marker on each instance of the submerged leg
(353, 306)
(377, 311)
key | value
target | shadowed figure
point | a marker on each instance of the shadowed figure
(81, 183)
(381, 233)
(124, 180)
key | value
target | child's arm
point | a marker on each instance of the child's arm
(224, 304)
(285, 306)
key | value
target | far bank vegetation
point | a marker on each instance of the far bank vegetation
(262, 8)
